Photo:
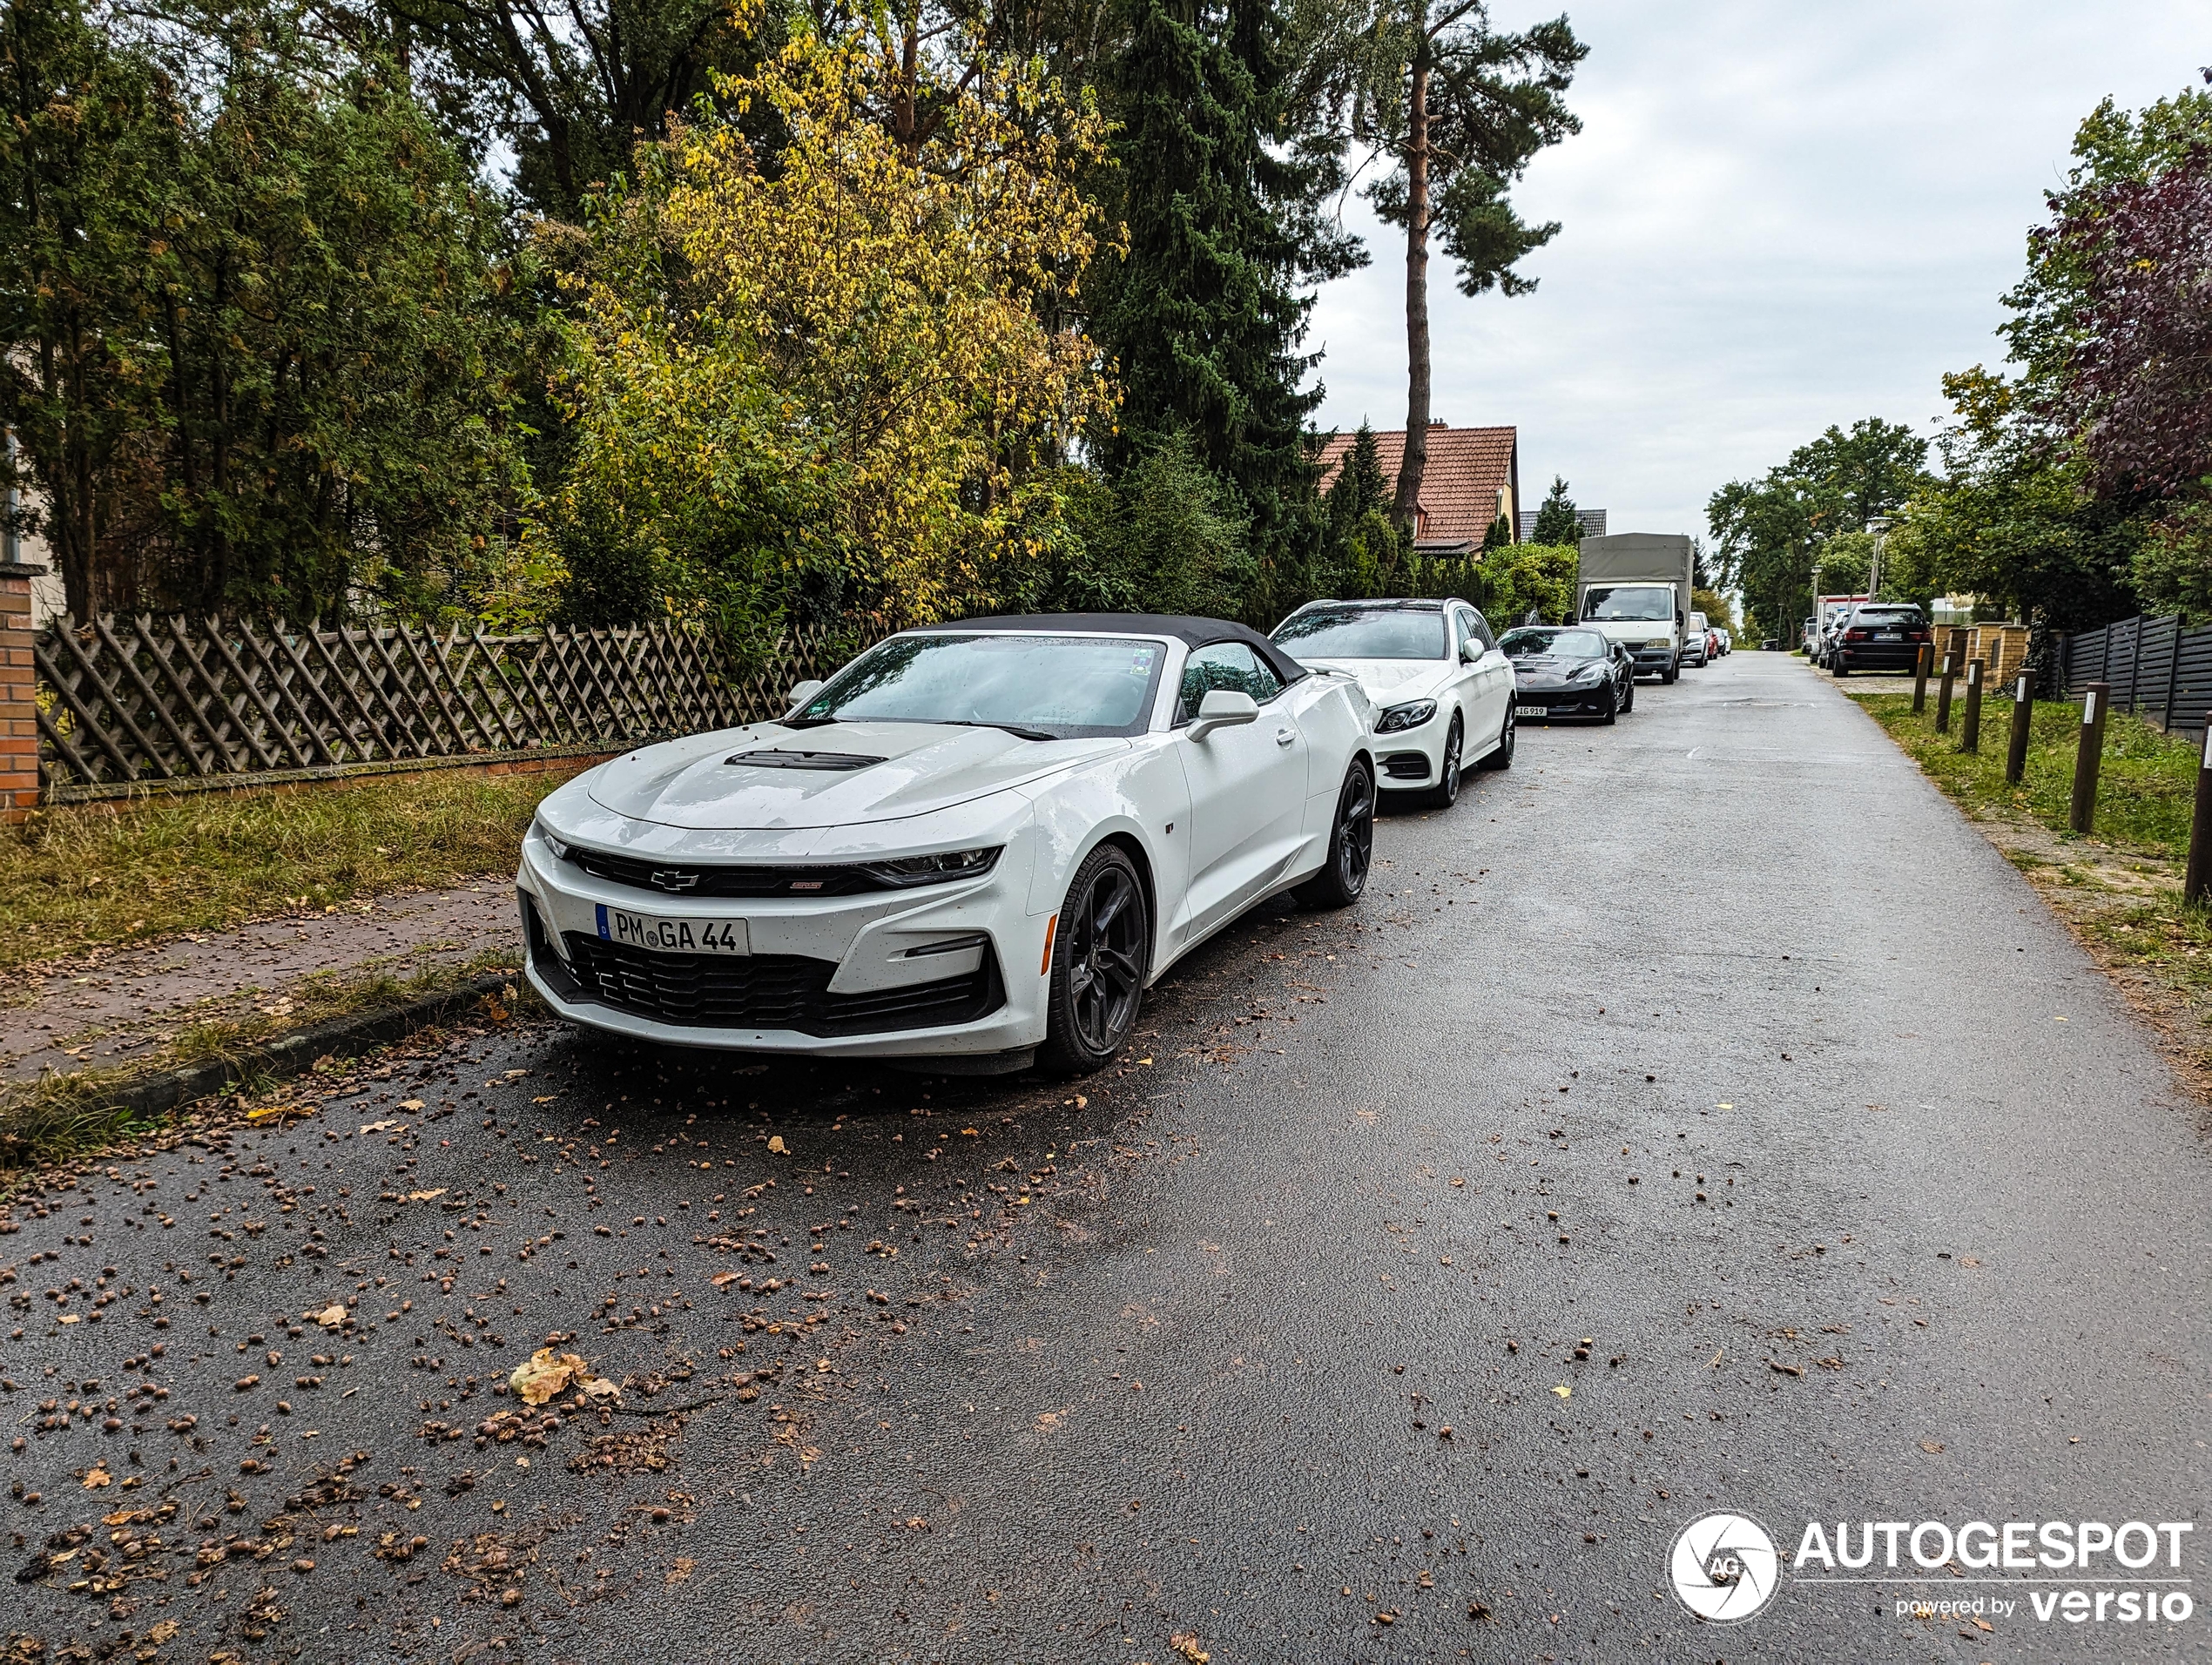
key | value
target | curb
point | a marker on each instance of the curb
(293, 1055)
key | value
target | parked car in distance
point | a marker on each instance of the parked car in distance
(976, 846)
(1562, 671)
(1723, 644)
(1441, 691)
(1809, 635)
(1697, 641)
(1878, 636)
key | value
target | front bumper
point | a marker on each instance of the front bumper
(1558, 703)
(1409, 759)
(1653, 662)
(937, 971)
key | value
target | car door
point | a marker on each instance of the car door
(1492, 687)
(1248, 786)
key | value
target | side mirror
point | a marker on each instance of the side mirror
(803, 692)
(1471, 651)
(1223, 708)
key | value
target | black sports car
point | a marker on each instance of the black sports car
(1560, 671)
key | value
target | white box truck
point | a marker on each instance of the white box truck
(1634, 587)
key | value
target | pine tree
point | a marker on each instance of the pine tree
(1205, 318)
(1556, 521)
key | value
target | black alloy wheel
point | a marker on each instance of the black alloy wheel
(1351, 844)
(1611, 714)
(1502, 758)
(1629, 696)
(1446, 792)
(1102, 949)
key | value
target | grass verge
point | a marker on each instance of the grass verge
(86, 875)
(2147, 783)
(57, 1117)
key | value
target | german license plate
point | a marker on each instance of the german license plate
(1889, 635)
(1531, 711)
(673, 936)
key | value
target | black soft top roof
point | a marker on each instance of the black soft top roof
(1193, 632)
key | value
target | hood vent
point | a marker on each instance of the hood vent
(831, 762)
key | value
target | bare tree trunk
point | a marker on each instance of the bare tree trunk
(1404, 508)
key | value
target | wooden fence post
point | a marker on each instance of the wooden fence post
(2199, 872)
(2023, 728)
(2088, 758)
(1970, 731)
(1943, 698)
(18, 694)
(1920, 676)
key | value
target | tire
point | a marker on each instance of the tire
(1673, 669)
(1342, 877)
(1502, 758)
(1100, 951)
(1612, 707)
(1629, 699)
(1446, 792)
(1840, 669)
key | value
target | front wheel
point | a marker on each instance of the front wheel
(1673, 669)
(1351, 844)
(1628, 697)
(1102, 949)
(1840, 668)
(1612, 707)
(1446, 792)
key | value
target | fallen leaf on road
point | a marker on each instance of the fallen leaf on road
(382, 1127)
(275, 1109)
(599, 1388)
(1781, 1369)
(545, 1372)
(70, 1317)
(723, 1280)
(410, 1103)
(776, 1143)
(1983, 1624)
(332, 1316)
(1187, 1645)
(1564, 1392)
(424, 1197)
(1931, 1446)
(166, 1631)
(97, 1476)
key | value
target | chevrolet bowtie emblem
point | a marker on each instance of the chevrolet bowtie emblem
(674, 878)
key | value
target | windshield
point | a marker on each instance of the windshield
(1064, 687)
(1529, 642)
(1629, 602)
(1362, 633)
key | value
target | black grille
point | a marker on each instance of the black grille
(697, 878)
(1405, 765)
(769, 991)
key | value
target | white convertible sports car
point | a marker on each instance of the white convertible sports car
(976, 845)
(1442, 691)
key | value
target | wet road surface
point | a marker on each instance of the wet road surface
(1698, 1116)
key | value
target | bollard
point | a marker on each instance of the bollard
(1943, 699)
(2084, 813)
(2199, 868)
(1920, 663)
(1970, 731)
(2023, 726)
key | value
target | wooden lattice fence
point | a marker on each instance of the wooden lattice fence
(131, 704)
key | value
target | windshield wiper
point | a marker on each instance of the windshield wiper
(1015, 729)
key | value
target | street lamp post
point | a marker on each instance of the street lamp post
(1880, 525)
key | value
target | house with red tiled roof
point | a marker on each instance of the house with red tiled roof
(1471, 477)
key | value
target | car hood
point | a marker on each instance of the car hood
(1541, 671)
(701, 782)
(1388, 682)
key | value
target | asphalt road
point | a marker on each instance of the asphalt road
(1714, 1045)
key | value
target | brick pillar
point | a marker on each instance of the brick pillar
(18, 695)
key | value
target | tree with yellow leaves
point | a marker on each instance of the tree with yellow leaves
(822, 368)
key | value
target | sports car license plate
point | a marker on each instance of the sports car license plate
(1531, 711)
(673, 936)
(1889, 635)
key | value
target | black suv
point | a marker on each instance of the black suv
(1878, 636)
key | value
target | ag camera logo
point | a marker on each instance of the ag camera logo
(1724, 1568)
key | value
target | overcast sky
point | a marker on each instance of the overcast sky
(1777, 216)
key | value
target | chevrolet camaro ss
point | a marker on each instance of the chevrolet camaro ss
(976, 846)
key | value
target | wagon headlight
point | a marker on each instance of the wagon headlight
(933, 869)
(558, 846)
(1412, 714)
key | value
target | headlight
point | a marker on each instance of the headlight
(1409, 716)
(1659, 644)
(934, 869)
(1594, 671)
(559, 848)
